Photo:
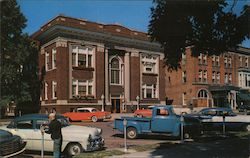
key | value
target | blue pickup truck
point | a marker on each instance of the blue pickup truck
(163, 121)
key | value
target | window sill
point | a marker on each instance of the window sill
(83, 68)
(114, 84)
(84, 97)
(150, 73)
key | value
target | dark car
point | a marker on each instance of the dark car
(244, 108)
(10, 145)
(212, 119)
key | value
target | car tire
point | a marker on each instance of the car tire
(94, 119)
(131, 133)
(74, 149)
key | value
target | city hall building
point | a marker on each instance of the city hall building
(88, 64)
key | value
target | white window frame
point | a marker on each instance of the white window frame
(184, 99)
(240, 59)
(120, 71)
(205, 76)
(86, 83)
(46, 91)
(214, 77)
(86, 50)
(54, 84)
(200, 58)
(218, 77)
(184, 76)
(226, 78)
(200, 75)
(217, 60)
(246, 61)
(203, 92)
(153, 91)
(46, 61)
(53, 58)
(230, 78)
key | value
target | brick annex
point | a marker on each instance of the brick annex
(89, 64)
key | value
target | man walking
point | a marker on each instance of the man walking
(56, 134)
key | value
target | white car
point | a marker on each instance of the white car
(76, 139)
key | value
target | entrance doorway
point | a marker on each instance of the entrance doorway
(116, 105)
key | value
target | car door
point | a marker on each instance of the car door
(83, 114)
(24, 128)
(37, 136)
(163, 122)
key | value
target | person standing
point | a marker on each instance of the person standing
(56, 134)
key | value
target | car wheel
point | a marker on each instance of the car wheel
(131, 133)
(94, 119)
(74, 149)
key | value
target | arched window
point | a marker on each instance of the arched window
(202, 94)
(115, 71)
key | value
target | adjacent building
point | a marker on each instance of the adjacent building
(207, 81)
(107, 66)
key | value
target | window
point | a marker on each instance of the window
(82, 87)
(217, 60)
(184, 77)
(225, 61)
(240, 80)
(240, 59)
(204, 59)
(246, 62)
(115, 71)
(53, 58)
(229, 62)
(202, 94)
(24, 125)
(184, 98)
(47, 61)
(213, 77)
(54, 90)
(149, 91)
(205, 76)
(183, 58)
(226, 78)
(148, 63)
(45, 91)
(200, 75)
(230, 78)
(200, 58)
(162, 112)
(213, 60)
(82, 56)
(218, 77)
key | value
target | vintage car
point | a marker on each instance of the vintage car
(212, 119)
(10, 145)
(147, 112)
(92, 114)
(75, 138)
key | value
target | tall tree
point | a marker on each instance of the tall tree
(18, 58)
(210, 26)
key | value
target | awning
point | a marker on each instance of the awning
(243, 96)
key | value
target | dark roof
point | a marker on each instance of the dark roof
(218, 109)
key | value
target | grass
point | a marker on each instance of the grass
(141, 148)
(100, 154)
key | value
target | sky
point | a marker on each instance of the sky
(134, 14)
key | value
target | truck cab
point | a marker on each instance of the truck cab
(163, 120)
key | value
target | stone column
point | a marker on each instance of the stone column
(106, 75)
(127, 77)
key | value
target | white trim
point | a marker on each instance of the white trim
(85, 83)
(53, 58)
(45, 91)
(85, 50)
(54, 84)
(46, 61)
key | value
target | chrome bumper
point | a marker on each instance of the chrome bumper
(95, 144)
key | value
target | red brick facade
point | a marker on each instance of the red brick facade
(98, 64)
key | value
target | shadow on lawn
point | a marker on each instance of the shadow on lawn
(231, 145)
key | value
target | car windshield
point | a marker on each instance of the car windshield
(94, 110)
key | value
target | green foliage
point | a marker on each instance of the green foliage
(19, 58)
(204, 24)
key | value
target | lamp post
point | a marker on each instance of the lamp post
(137, 99)
(102, 97)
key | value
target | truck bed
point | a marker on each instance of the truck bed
(142, 123)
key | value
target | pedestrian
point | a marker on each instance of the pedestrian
(56, 134)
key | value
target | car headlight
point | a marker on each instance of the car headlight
(99, 131)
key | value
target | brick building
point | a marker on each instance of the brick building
(84, 63)
(206, 81)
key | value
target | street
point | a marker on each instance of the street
(207, 146)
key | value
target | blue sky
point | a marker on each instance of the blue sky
(134, 14)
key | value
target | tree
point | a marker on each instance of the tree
(210, 26)
(18, 57)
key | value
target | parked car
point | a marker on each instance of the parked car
(92, 114)
(163, 120)
(147, 112)
(212, 119)
(10, 145)
(75, 138)
(244, 108)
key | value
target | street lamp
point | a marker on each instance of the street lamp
(137, 99)
(102, 97)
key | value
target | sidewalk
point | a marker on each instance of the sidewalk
(119, 115)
